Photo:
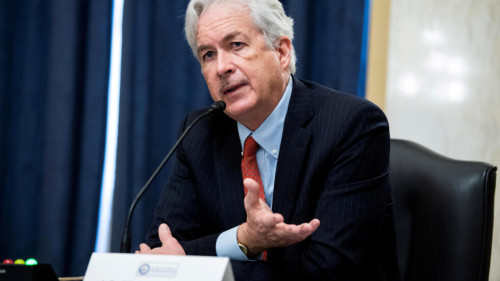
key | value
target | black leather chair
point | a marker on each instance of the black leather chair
(443, 211)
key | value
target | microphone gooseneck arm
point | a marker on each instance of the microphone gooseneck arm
(125, 242)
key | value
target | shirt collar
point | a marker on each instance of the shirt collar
(268, 134)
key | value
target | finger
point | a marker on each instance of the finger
(308, 228)
(266, 220)
(305, 230)
(311, 226)
(278, 218)
(297, 232)
(252, 197)
(272, 219)
(164, 233)
(315, 224)
(144, 247)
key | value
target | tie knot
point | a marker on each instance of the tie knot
(250, 147)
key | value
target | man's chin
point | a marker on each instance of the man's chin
(236, 112)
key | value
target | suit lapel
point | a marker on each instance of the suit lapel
(227, 157)
(293, 152)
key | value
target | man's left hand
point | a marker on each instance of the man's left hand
(265, 229)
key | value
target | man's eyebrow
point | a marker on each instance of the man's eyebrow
(202, 48)
(230, 36)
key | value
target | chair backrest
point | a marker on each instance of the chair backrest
(443, 210)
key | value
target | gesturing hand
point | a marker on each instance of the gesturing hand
(265, 229)
(169, 245)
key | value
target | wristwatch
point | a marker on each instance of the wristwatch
(243, 248)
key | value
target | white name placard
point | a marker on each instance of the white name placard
(132, 267)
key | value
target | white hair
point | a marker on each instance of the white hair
(268, 16)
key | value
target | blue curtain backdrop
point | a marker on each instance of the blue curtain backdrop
(161, 82)
(54, 60)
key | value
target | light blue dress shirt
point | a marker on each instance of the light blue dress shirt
(268, 136)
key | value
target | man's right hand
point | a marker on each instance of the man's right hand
(169, 245)
(265, 229)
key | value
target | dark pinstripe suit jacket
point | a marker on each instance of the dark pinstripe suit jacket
(333, 165)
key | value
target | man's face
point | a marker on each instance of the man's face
(238, 66)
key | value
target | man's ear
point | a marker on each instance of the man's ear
(284, 49)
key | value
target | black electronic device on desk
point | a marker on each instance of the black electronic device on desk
(30, 270)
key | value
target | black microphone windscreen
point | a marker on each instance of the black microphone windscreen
(218, 106)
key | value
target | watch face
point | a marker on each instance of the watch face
(243, 248)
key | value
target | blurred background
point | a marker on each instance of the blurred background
(92, 93)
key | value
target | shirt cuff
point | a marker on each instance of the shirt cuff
(227, 245)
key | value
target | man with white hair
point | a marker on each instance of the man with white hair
(291, 182)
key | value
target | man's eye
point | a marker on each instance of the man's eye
(237, 44)
(208, 55)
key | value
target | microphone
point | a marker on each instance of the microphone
(217, 106)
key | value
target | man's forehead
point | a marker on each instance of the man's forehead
(214, 18)
(223, 26)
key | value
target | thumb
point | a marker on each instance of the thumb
(252, 197)
(164, 233)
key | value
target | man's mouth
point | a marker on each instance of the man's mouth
(232, 89)
(228, 89)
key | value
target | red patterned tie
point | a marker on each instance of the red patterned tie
(249, 169)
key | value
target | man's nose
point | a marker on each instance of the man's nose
(225, 63)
